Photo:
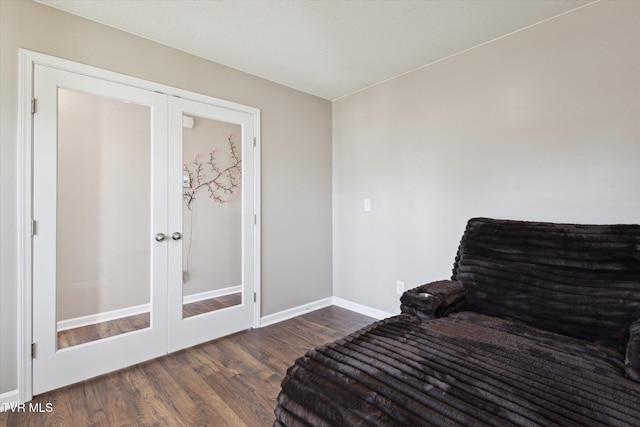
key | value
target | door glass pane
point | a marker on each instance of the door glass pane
(211, 215)
(103, 217)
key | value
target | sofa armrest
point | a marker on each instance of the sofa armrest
(632, 358)
(435, 299)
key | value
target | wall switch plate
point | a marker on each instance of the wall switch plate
(367, 205)
(399, 287)
(186, 181)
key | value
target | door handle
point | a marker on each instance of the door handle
(176, 236)
(160, 237)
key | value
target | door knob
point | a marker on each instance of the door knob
(176, 236)
(160, 237)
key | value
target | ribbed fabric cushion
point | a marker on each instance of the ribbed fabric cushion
(577, 280)
(467, 369)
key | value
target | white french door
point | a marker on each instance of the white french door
(212, 172)
(130, 189)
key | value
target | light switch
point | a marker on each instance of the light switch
(367, 205)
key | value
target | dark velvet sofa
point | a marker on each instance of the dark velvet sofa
(540, 325)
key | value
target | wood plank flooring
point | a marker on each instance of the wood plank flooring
(232, 381)
(84, 334)
(97, 331)
(212, 304)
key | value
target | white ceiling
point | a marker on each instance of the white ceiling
(325, 48)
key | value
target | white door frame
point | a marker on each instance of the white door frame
(24, 202)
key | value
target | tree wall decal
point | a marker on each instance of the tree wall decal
(220, 182)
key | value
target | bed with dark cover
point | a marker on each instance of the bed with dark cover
(540, 325)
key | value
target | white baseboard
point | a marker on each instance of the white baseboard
(105, 316)
(188, 299)
(295, 311)
(8, 398)
(325, 302)
(362, 309)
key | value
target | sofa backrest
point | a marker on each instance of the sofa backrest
(579, 280)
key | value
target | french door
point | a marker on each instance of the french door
(144, 236)
(212, 173)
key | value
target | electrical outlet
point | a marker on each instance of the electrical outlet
(399, 287)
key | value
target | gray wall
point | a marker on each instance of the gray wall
(103, 193)
(541, 125)
(211, 232)
(296, 152)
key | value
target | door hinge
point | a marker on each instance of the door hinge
(254, 142)
(33, 105)
(255, 219)
(33, 350)
(33, 227)
(255, 297)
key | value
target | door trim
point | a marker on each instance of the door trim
(24, 205)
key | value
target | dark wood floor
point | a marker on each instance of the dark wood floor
(97, 331)
(232, 381)
(212, 304)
